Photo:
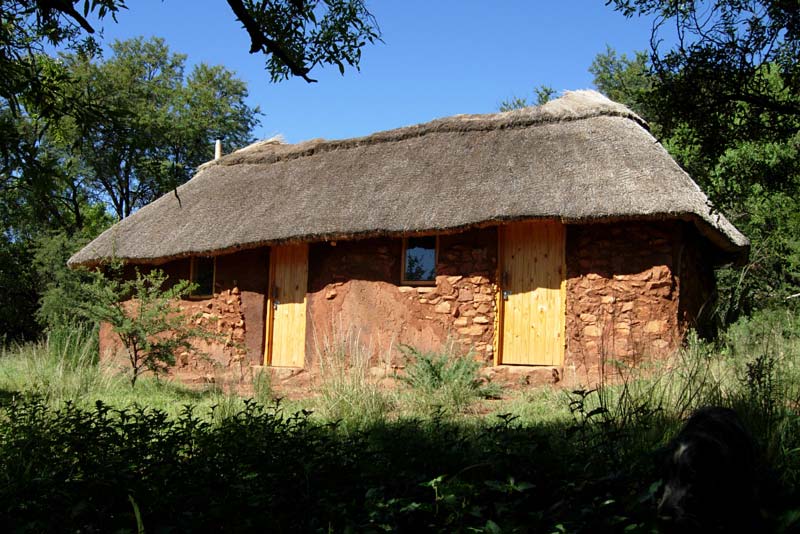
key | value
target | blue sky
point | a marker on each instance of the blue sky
(438, 58)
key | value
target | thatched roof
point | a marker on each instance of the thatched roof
(580, 158)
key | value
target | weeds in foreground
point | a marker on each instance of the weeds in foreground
(61, 368)
(348, 392)
(444, 381)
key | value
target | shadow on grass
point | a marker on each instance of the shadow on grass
(264, 469)
(7, 396)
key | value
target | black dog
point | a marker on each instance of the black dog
(710, 476)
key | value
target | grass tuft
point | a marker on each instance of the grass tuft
(444, 381)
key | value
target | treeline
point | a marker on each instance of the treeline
(724, 100)
(86, 140)
(138, 125)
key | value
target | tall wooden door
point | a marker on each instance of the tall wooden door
(533, 297)
(286, 305)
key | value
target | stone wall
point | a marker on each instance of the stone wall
(235, 314)
(622, 293)
(356, 284)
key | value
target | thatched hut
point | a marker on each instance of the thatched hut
(555, 235)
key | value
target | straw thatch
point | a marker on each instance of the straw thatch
(580, 158)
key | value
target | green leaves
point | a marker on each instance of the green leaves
(300, 35)
(146, 315)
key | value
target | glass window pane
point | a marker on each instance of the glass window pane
(203, 276)
(420, 260)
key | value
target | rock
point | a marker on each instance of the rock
(465, 295)
(426, 290)
(239, 323)
(405, 289)
(454, 279)
(588, 318)
(480, 319)
(592, 331)
(660, 344)
(476, 330)
(442, 307)
(461, 322)
(608, 299)
(331, 294)
(444, 286)
(235, 291)
(482, 297)
(658, 326)
(483, 308)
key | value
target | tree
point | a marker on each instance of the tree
(145, 315)
(728, 59)
(544, 93)
(755, 180)
(157, 124)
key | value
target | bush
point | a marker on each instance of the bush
(145, 315)
(444, 381)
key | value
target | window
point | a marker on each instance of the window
(203, 271)
(419, 260)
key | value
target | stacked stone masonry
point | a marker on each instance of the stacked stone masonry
(623, 286)
(622, 293)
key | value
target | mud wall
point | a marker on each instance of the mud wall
(235, 313)
(356, 284)
(622, 293)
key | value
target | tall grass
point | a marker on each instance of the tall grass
(347, 391)
(61, 367)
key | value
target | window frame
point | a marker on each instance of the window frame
(403, 279)
(193, 267)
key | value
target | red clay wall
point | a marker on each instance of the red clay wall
(357, 284)
(623, 282)
(622, 292)
(236, 312)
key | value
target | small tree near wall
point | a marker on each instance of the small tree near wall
(146, 316)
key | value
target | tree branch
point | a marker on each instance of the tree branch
(260, 42)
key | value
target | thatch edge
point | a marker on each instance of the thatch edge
(728, 254)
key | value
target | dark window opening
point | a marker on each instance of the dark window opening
(419, 260)
(203, 276)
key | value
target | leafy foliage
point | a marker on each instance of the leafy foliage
(146, 316)
(750, 172)
(544, 93)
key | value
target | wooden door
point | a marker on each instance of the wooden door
(533, 285)
(286, 305)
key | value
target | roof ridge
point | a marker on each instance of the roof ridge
(573, 106)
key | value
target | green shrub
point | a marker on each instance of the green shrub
(145, 315)
(446, 380)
